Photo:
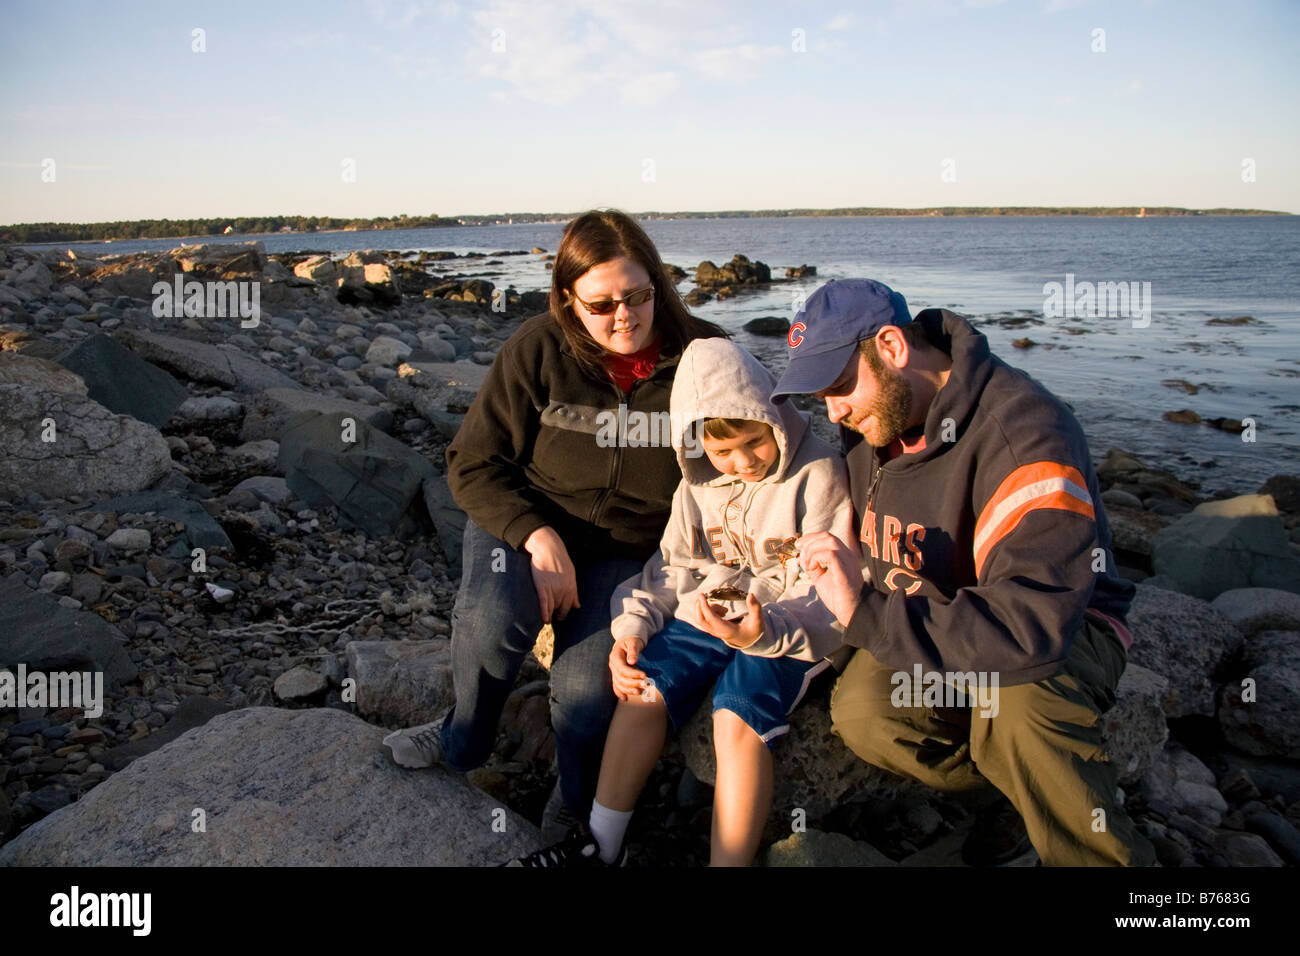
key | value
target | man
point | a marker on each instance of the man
(987, 557)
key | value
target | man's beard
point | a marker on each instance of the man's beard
(893, 402)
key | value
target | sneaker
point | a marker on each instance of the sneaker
(579, 848)
(558, 820)
(998, 836)
(417, 746)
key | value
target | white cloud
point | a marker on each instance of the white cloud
(841, 21)
(735, 63)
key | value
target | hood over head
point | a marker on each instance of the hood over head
(718, 379)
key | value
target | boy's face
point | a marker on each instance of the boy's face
(749, 454)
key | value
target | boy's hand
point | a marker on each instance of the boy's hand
(738, 634)
(835, 571)
(554, 577)
(628, 681)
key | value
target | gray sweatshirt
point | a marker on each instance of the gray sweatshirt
(725, 531)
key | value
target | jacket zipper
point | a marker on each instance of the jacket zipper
(616, 466)
(875, 480)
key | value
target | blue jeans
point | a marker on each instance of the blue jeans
(495, 624)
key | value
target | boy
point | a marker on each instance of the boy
(725, 598)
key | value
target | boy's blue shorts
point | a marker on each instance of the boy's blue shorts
(762, 691)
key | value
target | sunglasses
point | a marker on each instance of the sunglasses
(608, 306)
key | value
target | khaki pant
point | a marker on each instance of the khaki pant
(1042, 748)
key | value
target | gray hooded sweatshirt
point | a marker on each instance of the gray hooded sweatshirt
(725, 531)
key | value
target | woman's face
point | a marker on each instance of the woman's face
(628, 328)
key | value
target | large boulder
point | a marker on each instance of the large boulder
(123, 382)
(16, 369)
(1181, 782)
(1260, 708)
(401, 683)
(1185, 640)
(223, 364)
(319, 269)
(134, 275)
(263, 786)
(1222, 545)
(739, 271)
(812, 769)
(37, 631)
(371, 479)
(1134, 730)
(93, 451)
(1260, 609)
(365, 278)
(270, 413)
(222, 258)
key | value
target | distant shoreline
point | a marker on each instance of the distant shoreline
(52, 232)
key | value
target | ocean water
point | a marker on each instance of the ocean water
(1190, 271)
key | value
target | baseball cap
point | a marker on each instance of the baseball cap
(826, 331)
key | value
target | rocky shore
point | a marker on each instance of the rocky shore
(242, 521)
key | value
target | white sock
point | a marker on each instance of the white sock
(608, 827)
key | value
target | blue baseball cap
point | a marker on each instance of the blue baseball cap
(826, 332)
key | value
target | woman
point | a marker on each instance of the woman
(559, 515)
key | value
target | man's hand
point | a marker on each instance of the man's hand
(553, 574)
(628, 681)
(738, 634)
(835, 572)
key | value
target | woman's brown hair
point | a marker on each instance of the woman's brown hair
(601, 236)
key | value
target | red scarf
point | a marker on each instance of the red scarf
(625, 369)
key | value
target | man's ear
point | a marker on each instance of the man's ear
(892, 347)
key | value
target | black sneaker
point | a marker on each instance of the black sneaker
(997, 837)
(579, 848)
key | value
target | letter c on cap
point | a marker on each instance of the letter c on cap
(795, 337)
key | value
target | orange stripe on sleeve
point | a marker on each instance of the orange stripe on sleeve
(1043, 484)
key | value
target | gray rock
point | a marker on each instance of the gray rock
(216, 408)
(448, 519)
(1116, 497)
(1264, 720)
(768, 325)
(277, 787)
(192, 711)
(299, 683)
(201, 529)
(1272, 777)
(386, 350)
(437, 387)
(1260, 609)
(817, 848)
(6, 817)
(19, 369)
(1245, 849)
(319, 269)
(218, 257)
(372, 480)
(812, 769)
(270, 413)
(268, 488)
(94, 451)
(225, 364)
(35, 630)
(123, 382)
(263, 453)
(129, 540)
(1280, 833)
(1205, 554)
(401, 683)
(1183, 639)
(1134, 730)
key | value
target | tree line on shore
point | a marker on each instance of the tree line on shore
(174, 228)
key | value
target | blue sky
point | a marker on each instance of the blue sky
(456, 107)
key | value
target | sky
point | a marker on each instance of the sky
(135, 110)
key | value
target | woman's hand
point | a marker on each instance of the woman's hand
(553, 574)
(738, 634)
(836, 573)
(628, 681)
